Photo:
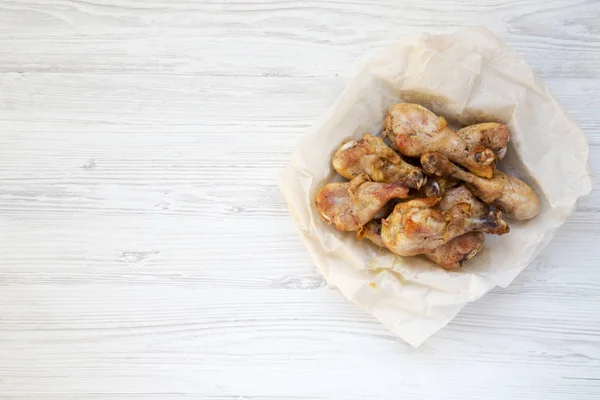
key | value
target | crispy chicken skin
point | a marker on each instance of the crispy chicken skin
(350, 205)
(510, 195)
(461, 194)
(449, 255)
(415, 227)
(452, 254)
(464, 247)
(372, 156)
(414, 130)
(492, 135)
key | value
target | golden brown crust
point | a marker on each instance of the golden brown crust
(372, 156)
(452, 254)
(510, 195)
(492, 135)
(349, 205)
(414, 227)
(414, 130)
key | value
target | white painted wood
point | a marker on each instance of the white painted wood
(145, 252)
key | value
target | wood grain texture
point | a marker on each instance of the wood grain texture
(145, 252)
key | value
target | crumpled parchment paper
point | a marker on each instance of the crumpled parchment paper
(468, 77)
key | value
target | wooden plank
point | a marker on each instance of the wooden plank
(277, 37)
(145, 252)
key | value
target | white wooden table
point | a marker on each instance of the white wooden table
(146, 253)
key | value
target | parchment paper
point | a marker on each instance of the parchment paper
(468, 77)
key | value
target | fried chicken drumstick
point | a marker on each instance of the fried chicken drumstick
(350, 205)
(492, 135)
(372, 156)
(510, 195)
(414, 227)
(452, 254)
(414, 130)
(449, 255)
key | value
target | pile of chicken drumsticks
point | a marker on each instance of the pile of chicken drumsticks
(439, 207)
